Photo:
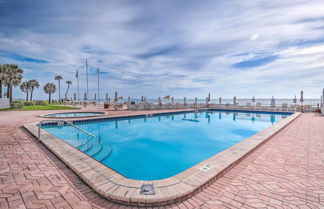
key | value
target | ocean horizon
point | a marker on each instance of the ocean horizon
(307, 101)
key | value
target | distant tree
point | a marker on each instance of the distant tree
(25, 87)
(12, 77)
(49, 89)
(58, 78)
(67, 90)
(33, 84)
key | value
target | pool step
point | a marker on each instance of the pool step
(96, 148)
(84, 142)
(104, 153)
(86, 147)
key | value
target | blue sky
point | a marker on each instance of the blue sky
(182, 48)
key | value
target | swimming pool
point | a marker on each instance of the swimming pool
(73, 114)
(152, 148)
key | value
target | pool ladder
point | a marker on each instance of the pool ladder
(64, 122)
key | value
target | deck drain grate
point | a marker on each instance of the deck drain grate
(147, 189)
(206, 167)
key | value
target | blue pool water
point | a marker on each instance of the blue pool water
(152, 148)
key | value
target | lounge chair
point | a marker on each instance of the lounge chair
(307, 108)
(248, 106)
(284, 107)
(258, 105)
(106, 105)
(292, 108)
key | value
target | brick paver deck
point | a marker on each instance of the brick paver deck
(286, 172)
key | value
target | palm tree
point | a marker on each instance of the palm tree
(33, 84)
(12, 78)
(25, 87)
(2, 77)
(67, 90)
(59, 78)
(49, 89)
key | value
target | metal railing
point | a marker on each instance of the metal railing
(65, 122)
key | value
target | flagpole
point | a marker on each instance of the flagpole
(78, 85)
(87, 78)
(98, 84)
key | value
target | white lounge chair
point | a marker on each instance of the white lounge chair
(248, 106)
(258, 106)
(284, 107)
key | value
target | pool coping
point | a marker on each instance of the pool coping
(117, 188)
(93, 116)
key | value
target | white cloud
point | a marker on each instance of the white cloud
(255, 36)
(153, 48)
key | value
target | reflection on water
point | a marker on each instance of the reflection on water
(211, 115)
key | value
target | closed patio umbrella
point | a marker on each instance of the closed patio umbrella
(295, 100)
(106, 96)
(253, 100)
(95, 96)
(85, 96)
(116, 96)
(220, 100)
(142, 99)
(273, 102)
(302, 100)
(74, 98)
(234, 100)
(301, 96)
(209, 97)
(184, 100)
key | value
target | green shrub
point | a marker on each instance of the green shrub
(43, 102)
(39, 102)
(29, 103)
(17, 104)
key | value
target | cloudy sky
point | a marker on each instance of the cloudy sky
(159, 47)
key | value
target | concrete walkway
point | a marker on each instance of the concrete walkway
(286, 172)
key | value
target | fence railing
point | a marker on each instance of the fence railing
(259, 107)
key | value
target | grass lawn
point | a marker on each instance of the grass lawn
(53, 106)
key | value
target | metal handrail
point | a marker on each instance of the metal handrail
(65, 121)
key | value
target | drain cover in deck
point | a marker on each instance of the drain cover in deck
(147, 189)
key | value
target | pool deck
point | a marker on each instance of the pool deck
(285, 172)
